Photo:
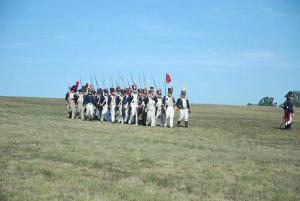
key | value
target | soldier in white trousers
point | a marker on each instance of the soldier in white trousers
(88, 102)
(72, 101)
(158, 112)
(104, 104)
(80, 108)
(112, 105)
(134, 106)
(150, 108)
(119, 101)
(169, 103)
(184, 108)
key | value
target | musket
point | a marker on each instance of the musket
(68, 85)
(117, 83)
(128, 82)
(111, 82)
(103, 82)
(145, 82)
(92, 82)
(154, 82)
(80, 83)
(96, 82)
(140, 81)
(131, 77)
(122, 79)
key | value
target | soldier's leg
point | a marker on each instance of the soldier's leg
(186, 117)
(153, 118)
(148, 118)
(167, 117)
(171, 118)
(73, 109)
(181, 116)
(131, 116)
(162, 118)
(112, 114)
(103, 115)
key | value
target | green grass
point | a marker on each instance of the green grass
(228, 153)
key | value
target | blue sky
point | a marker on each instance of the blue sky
(226, 52)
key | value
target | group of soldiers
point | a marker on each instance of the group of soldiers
(127, 105)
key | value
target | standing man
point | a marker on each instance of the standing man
(151, 106)
(72, 101)
(158, 108)
(119, 101)
(183, 106)
(80, 108)
(125, 105)
(112, 105)
(104, 105)
(133, 106)
(287, 118)
(169, 104)
(88, 102)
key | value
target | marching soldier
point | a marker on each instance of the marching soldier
(80, 108)
(104, 104)
(169, 103)
(183, 106)
(119, 101)
(158, 108)
(287, 118)
(133, 106)
(89, 102)
(125, 105)
(112, 105)
(151, 101)
(69, 112)
(72, 101)
(141, 107)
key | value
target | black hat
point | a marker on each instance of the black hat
(118, 89)
(133, 87)
(106, 91)
(290, 94)
(73, 88)
(100, 91)
(170, 90)
(112, 90)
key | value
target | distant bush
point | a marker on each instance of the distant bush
(267, 101)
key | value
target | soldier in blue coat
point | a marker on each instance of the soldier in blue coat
(184, 108)
(288, 108)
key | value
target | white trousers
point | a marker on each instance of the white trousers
(184, 114)
(89, 110)
(169, 116)
(133, 115)
(104, 114)
(151, 119)
(113, 113)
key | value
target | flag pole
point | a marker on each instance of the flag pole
(165, 87)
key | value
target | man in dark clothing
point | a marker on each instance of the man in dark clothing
(288, 111)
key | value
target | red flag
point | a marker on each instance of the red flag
(168, 78)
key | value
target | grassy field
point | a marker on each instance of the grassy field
(228, 153)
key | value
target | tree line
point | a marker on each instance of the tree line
(269, 101)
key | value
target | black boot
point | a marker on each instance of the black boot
(186, 124)
(288, 126)
(178, 123)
